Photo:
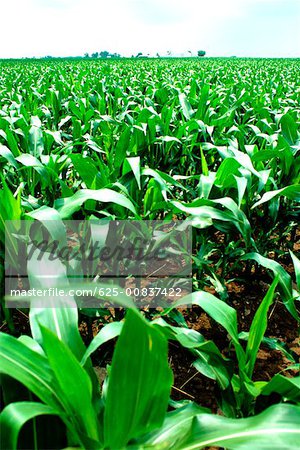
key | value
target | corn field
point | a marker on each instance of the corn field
(213, 143)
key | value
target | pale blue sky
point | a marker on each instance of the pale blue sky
(263, 28)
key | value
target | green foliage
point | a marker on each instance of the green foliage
(213, 142)
(133, 411)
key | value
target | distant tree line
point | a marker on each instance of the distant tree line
(105, 54)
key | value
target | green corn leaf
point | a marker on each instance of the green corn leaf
(139, 383)
(15, 416)
(135, 165)
(121, 148)
(36, 141)
(28, 160)
(276, 428)
(8, 155)
(52, 221)
(176, 425)
(59, 315)
(185, 106)
(86, 168)
(224, 176)
(67, 206)
(274, 344)
(74, 383)
(10, 210)
(241, 186)
(191, 429)
(219, 311)
(296, 263)
(29, 368)
(289, 128)
(108, 332)
(205, 170)
(291, 192)
(210, 361)
(288, 388)
(12, 143)
(285, 281)
(258, 328)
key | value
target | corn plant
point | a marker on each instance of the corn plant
(239, 395)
